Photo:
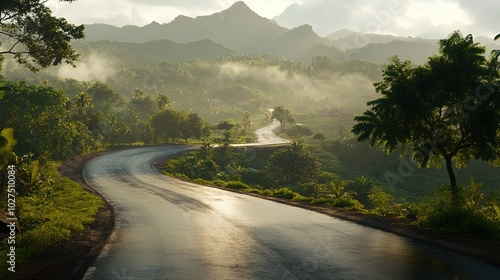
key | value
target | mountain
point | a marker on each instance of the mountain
(345, 39)
(296, 41)
(416, 51)
(237, 27)
(139, 54)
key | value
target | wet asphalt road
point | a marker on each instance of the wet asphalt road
(170, 229)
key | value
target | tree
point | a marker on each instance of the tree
(163, 102)
(225, 125)
(38, 115)
(170, 125)
(34, 36)
(283, 115)
(143, 105)
(299, 131)
(103, 97)
(443, 110)
(193, 127)
(320, 137)
(82, 101)
(7, 143)
(293, 164)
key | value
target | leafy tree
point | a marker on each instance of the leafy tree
(293, 164)
(166, 125)
(7, 143)
(163, 101)
(319, 137)
(82, 100)
(299, 131)
(112, 128)
(246, 121)
(170, 125)
(103, 97)
(225, 125)
(283, 115)
(34, 36)
(38, 115)
(194, 127)
(143, 105)
(443, 110)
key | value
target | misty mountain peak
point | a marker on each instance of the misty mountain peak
(239, 9)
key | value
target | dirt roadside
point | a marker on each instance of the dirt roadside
(70, 260)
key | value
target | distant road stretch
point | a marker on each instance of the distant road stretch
(170, 229)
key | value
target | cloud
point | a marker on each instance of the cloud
(485, 14)
(93, 67)
(398, 17)
(350, 90)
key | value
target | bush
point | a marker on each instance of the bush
(285, 193)
(456, 219)
(348, 202)
(237, 185)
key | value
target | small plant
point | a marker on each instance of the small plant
(285, 193)
(236, 185)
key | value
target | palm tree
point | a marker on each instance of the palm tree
(163, 101)
(82, 101)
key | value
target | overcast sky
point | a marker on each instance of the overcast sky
(425, 18)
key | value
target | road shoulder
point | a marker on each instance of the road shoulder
(71, 259)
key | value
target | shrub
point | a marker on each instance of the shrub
(285, 193)
(456, 219)
(237, 185)
(348, 202)
(322, 201)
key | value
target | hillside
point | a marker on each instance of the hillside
(139, 54)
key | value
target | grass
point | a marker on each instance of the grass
(50, 216)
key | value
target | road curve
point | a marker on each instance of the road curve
(170, 229)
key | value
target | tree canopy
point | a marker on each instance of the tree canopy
(293, 164)
(34, 36)
(283, 115)
(39, 118)
(447, 109)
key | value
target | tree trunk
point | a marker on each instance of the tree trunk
(453, 179)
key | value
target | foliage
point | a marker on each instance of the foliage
(39, 116)
(298, 131)
(49, 215)
(443, 110)
(7, 143)
(283, 115)
(473, 215)
(293, 164)
(285, 193)
(169, 125)
(237, 185)
(35, 36)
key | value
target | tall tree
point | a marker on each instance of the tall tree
(38, 116)
(82, 101)
(283, 115)
(446, 110)
(293, 164)
(34, 36)
(163, 102)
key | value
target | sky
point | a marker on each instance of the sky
(416, 18)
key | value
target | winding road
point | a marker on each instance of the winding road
(170, 229)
